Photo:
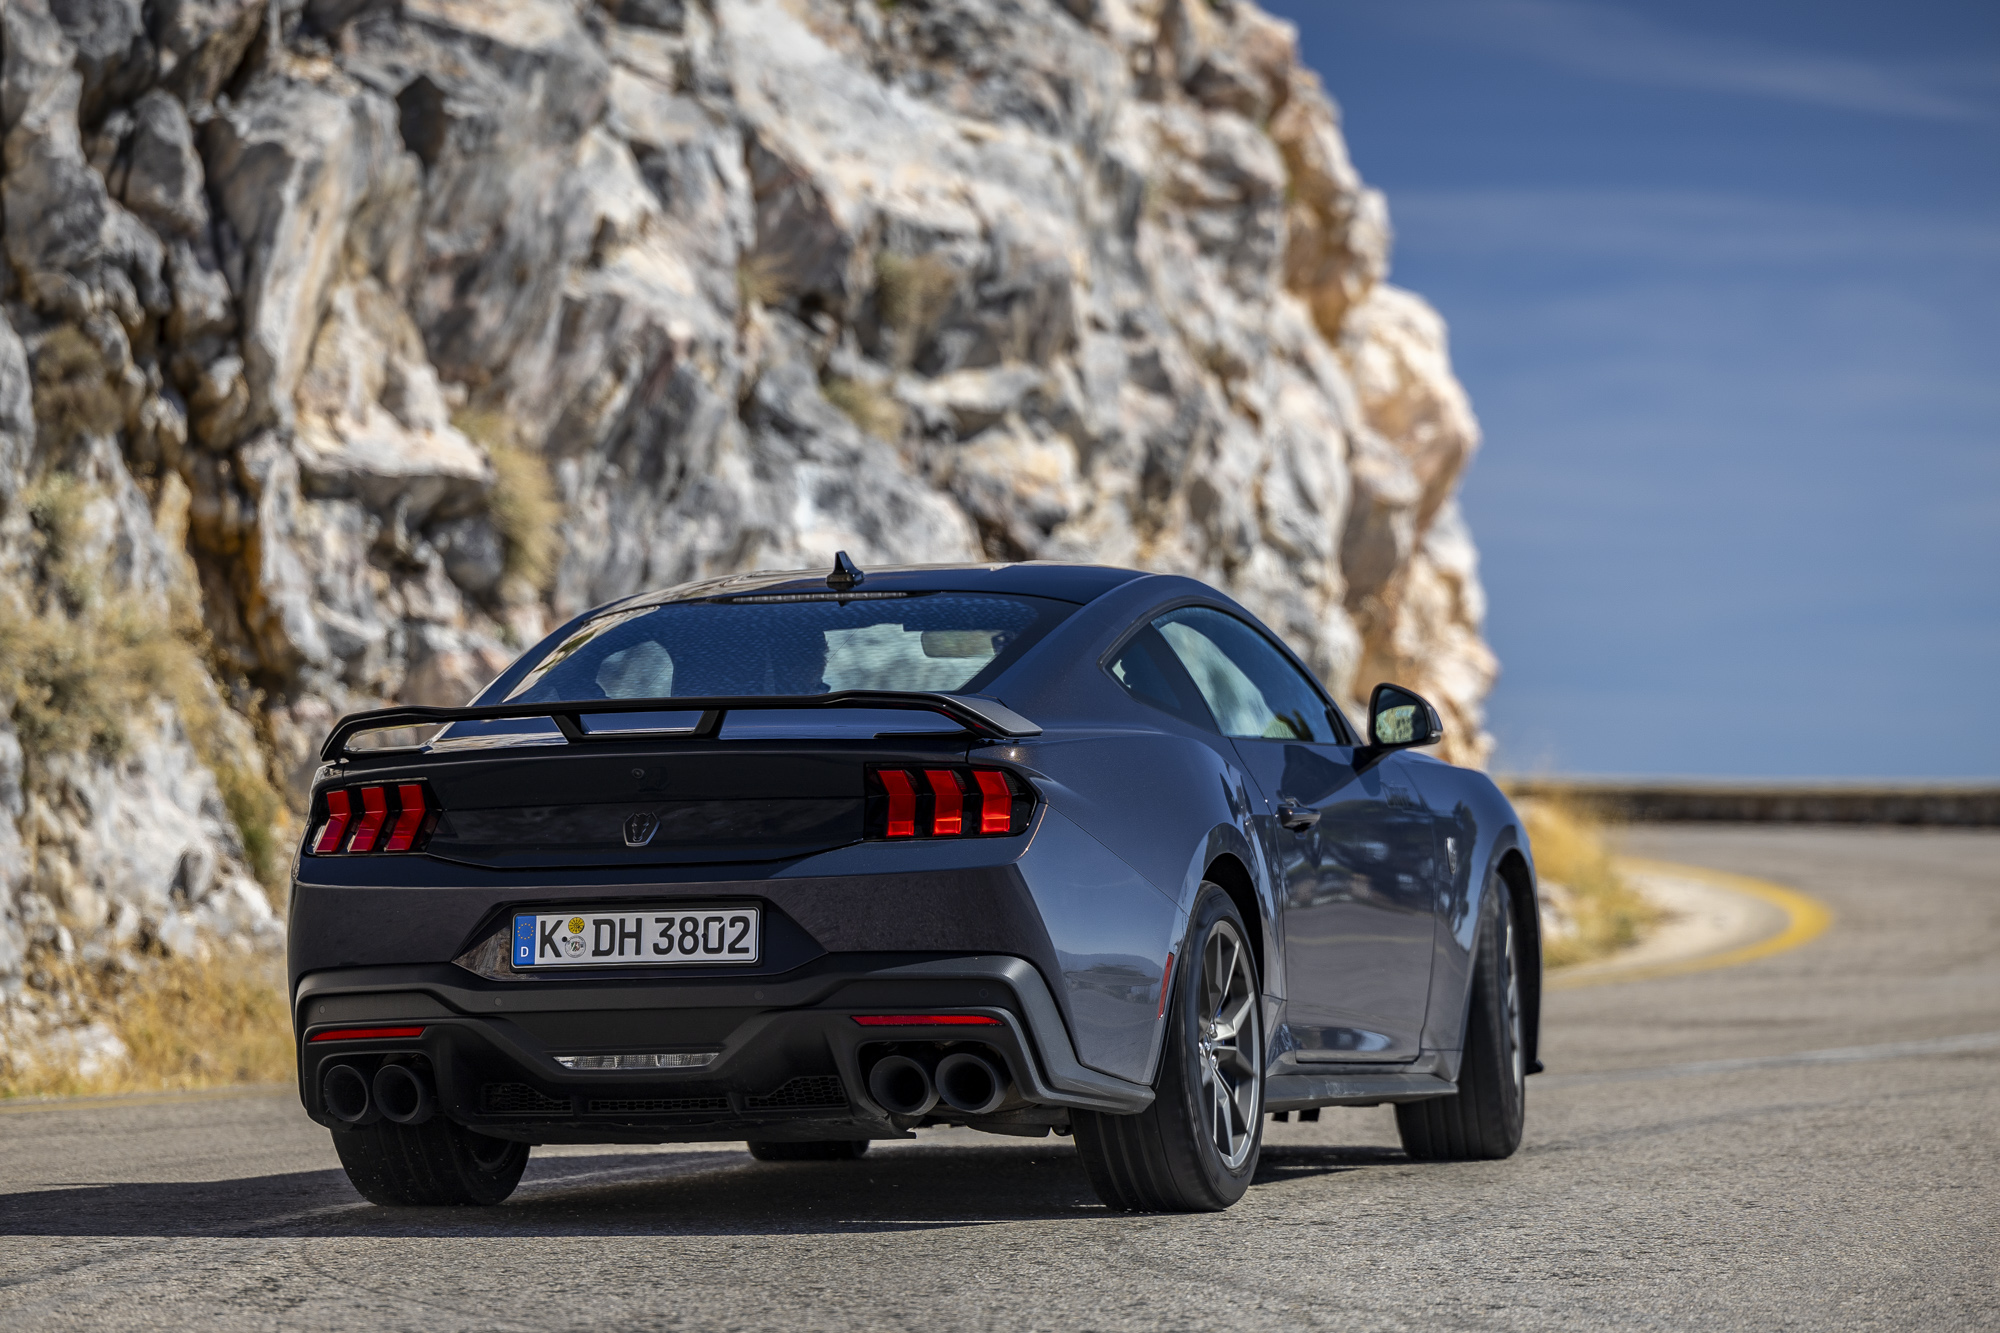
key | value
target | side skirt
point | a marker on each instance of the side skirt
(1298, 1092)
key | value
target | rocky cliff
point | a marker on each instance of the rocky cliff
(348, 344)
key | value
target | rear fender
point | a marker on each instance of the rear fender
(1134, 819)
(1491, 842)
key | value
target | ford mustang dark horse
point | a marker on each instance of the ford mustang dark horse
(808, 860)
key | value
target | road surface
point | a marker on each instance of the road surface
(1691, 1162)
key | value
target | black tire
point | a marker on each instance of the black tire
(1483, 1121)
(439, 1163)
(1171, 1157)
(812, 1150)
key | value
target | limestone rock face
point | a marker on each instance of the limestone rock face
(373, 339)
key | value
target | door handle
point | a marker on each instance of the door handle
(1298, 818)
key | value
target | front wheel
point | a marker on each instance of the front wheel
(436, 1163)
(1195, 1148)
(1484, 1119)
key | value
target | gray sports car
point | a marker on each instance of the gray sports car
(812, 859)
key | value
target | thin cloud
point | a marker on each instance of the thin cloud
(1605, 42)
(1670, 228)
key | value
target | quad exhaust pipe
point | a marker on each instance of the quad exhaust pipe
(901, 1086)
(969, 1084)
(397, 1093)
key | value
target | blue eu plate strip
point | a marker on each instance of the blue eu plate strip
(524, 940)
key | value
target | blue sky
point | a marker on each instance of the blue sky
(1724, 284)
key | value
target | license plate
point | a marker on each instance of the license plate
(656, 937)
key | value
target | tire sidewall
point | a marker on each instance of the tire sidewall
(1491, 983)
(1180, 1075)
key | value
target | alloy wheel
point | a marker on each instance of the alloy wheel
(1230, 1053)
(1517, 1054)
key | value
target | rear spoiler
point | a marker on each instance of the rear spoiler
(988, 717)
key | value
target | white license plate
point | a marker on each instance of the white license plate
(655, 937)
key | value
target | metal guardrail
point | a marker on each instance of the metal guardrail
(1963, 805)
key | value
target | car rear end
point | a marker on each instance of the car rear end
(652, 916)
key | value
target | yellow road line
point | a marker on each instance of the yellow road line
(111, 1101)
(1806, 918)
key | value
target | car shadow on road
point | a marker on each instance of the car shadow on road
(720, 1192)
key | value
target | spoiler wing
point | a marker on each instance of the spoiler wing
(988, 717)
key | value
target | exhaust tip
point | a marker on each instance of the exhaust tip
(969, 1083)
(345, 1091)
(404, 1094)
(901, 1086)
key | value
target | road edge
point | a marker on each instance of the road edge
(1806, 918)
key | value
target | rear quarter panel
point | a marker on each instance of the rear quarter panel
(1475, 814)
(1134, 819)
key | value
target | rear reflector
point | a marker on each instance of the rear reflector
(365, 1034)
(955, 802)
(338, 813)
(375, 819)
(923, 1021)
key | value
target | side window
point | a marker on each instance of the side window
(1150, 673)
(1249, 685)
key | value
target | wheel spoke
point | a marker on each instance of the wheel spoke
(1226, 978)
(1228, 1043)
(1232, 1024)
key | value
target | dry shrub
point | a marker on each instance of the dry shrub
(74, 674)
(912, 294)
(763, 279)
(870, 406)
(524, 507)
(186, 1023)
(1573, 858)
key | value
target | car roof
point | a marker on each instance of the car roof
(1035, 578)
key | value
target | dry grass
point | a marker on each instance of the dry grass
(870, 406)
(763, 279)
(525, 510)
(185, 1023)
(1573, 857)
(913, 294)
(75, 673)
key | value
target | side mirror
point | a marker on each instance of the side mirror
(1399, 719)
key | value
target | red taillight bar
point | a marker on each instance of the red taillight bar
(948, 821)
(955, 802)
(924, 1020)
(374, 809)
(376, 819)
(338, 812)
(411, 796)
(902, 803)
(365, 1034)
(996, 801)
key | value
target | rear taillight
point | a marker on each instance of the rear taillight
(382, 817)
(948, 801)
(338, 812)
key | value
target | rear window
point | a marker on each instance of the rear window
(941, 642)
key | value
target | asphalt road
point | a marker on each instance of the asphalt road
(1754, 1190)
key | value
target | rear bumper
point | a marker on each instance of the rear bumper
(790, 1059)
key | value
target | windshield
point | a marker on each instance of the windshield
(940, 642)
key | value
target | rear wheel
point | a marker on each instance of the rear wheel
(436, 1163)
(1483, 1121)
(1195, 1148)
(812, 1150)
